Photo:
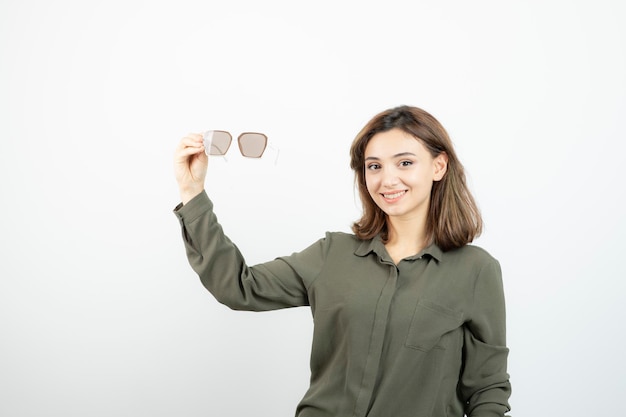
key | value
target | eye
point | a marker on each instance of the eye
(406, 163)
(373, 167)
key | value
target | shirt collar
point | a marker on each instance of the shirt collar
(377, 246)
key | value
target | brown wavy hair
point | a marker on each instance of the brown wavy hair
(454, 219)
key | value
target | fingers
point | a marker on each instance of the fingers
(190, 163)
(192, 140)
(190, 145)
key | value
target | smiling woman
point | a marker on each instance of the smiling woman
(399, 175)
(408, 317)
(452, 217)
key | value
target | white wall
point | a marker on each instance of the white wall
(100, 314)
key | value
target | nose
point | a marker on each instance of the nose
(390, 177)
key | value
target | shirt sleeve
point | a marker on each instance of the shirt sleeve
(484, 381)
(223, 271)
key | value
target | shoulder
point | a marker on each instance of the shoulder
(333, 246)
(476, 269)
(342, 239)
(470, 256)
(344, 244)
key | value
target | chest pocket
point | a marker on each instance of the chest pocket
(429, 323)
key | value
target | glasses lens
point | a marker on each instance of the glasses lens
(252, 145)
(217, 141)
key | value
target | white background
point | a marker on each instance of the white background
(100, 314)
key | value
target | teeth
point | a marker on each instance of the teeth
(392, 196)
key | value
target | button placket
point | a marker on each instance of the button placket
(375, 349)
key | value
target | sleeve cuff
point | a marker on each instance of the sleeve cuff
(194, 208)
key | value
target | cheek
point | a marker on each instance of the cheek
(370, 183)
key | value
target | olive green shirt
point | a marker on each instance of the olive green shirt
(423, 338)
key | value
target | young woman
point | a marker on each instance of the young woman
(409, 319)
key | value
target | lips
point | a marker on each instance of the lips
(394, 195)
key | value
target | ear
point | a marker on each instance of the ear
(440, 164)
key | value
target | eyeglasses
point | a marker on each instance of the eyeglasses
(251, 144)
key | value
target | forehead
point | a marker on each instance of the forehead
(393, 142)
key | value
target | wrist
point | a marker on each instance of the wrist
(188, 193)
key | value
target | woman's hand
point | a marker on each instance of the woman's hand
(190, 166)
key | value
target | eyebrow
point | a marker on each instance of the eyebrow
(398, 155)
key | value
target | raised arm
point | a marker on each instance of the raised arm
(215, 258)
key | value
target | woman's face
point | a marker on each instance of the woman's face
(399, 174)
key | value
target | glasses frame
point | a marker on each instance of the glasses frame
(208, 144)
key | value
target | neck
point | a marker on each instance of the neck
(409, 235)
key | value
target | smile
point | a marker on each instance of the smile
(394, 196)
